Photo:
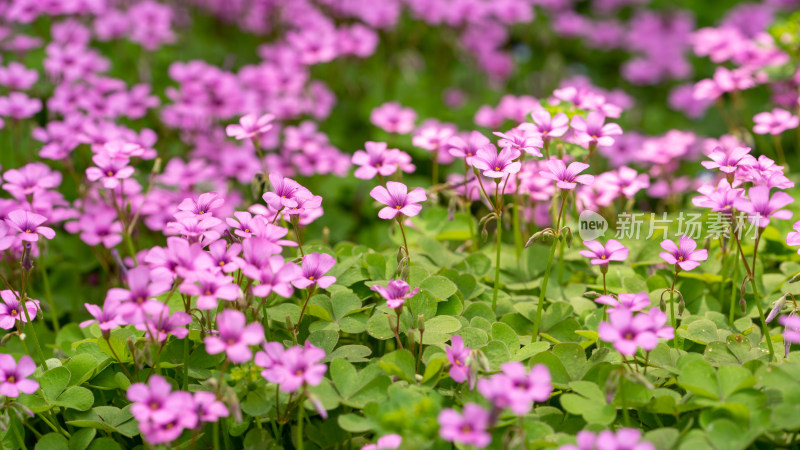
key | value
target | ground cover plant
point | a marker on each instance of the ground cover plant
(416, 224)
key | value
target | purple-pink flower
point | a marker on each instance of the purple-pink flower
(296, 367)
(623, 439)
(632, 302)
(28, 224)
(388, 442)
(395, 293)
(468, 427)
(628, 332)
(11, 309)
(775, 122)
(458, 356)
(235, 336)
(314, 268)
(728, 161)
(566, 177)
(760, 207)
(250, 126)
(14, 376)
(684, 254)
(496, 165)
(393, 118)
(398, 200)
(601, 255)
(593, 131)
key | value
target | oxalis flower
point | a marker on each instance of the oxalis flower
(566, 177)
(496, 165)
(601, 255)
(760, 207)
(623, 439)
(235, 336)
(684, 254)
(14, 376)
(628, 332)
(457, 355)
(467, 428)
(11, 309)
(28, 224)
(398, 200)
(292, 368)
(250, 126)
(396, 292)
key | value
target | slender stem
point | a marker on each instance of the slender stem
(114, 352)
(776, 138)
(185, 368)
(672, 307)
(419, 357)
(297, 235)
(497, 263)
(49, 296)
(303, 311)
(646, 362)
(300, 411)
(605, 291)
(543, 288)
(405, 241)
(468, 208)
(757, 299)
(734, 276)
(131, 248)
(435, 171)
(397, 328)
(33, 330)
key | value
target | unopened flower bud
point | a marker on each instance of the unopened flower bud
(743, 305)
(681, 307)
(662, 305)
(317, 405)
(421, 322)
(777, 306)
(26, 262)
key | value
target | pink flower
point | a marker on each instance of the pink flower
(632, 302)
(393, 118)
(627, 181)
(271, 272)
(235, 336)
(284, 192)
(566, 177)
(398, 200)
(110, 171)
(685, 254)
(549, 127)
(793, 237)
(601, 255)
(775, 123)
(107, 318)
(315, 266)
(468, 428)
(496, 165)
(457, 355)
(625, 438)
(209, 409)
(395, 293)
(14, 376)
(162, 414)
(467, 147)
(728, 162)
(11, 309)
(524, 138)
(200, 208)
(760, 207)
(28, 225)
(719, 199)
(592, 130)
(209, 288)
(378, 160)
(298, 366)
(388, 442)
(516, 388)
(144, 286)
(159, 324)
(628, 332)
(250, 126)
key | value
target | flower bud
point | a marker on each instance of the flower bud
(662, 305)
(777, 306)
(26, 262)
(123, 269)
(421, 322)
(681, 307)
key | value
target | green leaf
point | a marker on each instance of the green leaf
(75, 397)
(51, 441)
(701, 331)
(105, 443)
(344, 303)
(399, 363)
(504, 333)
(573, 356)
(81, 368)
(442, 324)
(345, 377)
(53, 382)
(497, 353)
(352, 353)
(355, 423)
(424, 303)
(81, 439)
(699, 378)
(439, 286)
(378, 326)
(432, 369)
(324, 339)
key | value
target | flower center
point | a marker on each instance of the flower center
(14, 312)
(154, 405)
(110, 173)
(11, 379)
(298, 372)
(231, 341)
(222, 263)
(247, 230)
(28, 231)
(458, 362)
(311, 277)
(202, 212)
(497, 168)
(398, 207)
(628, 335)
(208, 292)
(680, 258)
(466, 429)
